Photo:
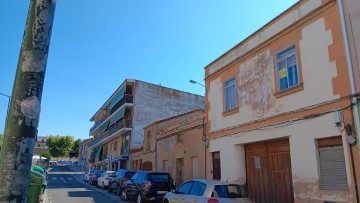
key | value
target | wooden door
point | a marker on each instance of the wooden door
(268, 168)
(216, 166)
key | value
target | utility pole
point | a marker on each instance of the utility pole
(23, 118)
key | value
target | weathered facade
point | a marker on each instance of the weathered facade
(118, 129)
(282, 123)
(174, 145)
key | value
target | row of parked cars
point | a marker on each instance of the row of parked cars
(159, 186)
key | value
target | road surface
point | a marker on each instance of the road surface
(67, 186)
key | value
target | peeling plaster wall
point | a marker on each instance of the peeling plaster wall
(153, 102)
(255, 82)
(304, 163)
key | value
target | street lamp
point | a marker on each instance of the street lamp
(204, 128)
(7, 112)
(194, 82)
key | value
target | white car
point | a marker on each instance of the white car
(87, 175)
(104, 179)
(210, 191)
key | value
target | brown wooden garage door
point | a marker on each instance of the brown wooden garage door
(268, 170)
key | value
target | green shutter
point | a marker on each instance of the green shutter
(98, 152)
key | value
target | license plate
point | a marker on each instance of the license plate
(162, 192)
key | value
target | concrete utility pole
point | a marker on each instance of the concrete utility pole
(22, 121)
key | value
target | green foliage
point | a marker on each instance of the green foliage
(1, 140)
(47, 155)
(59, 146)
(75, 148)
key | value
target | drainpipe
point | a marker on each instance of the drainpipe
(350, 68)
(352, 83)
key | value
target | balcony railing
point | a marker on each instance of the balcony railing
(126, 99)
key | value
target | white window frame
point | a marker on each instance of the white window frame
(230, 96)
(282, 57)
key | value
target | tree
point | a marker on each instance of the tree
(75, 148)
(59, 146)
(47, 155)
(1, 140)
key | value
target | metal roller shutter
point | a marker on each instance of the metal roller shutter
(332, 168)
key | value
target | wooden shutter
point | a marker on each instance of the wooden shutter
(332, 168)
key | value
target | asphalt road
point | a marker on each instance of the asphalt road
(65, 185)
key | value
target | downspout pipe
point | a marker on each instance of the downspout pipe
(350, 69)
(353, 89)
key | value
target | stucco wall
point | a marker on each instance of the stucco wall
(153, 102)
(304, 164)
(256, 76)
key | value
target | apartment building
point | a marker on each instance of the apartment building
(118, 128)
(284, 124)
(175, 145)
(40, 145)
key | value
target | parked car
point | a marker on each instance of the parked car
(117, 183)
(208, 191)
(147, 186)
(93, 178)
(87, 175)
(103, 180)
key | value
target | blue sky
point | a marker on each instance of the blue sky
(95, 45)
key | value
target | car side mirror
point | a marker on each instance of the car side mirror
(173, 191)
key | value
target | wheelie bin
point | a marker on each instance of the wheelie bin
(37, 186)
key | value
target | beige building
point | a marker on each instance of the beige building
(280, 107)
(40, 145)
(119, 122)
(174, 145)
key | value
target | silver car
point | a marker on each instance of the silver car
(207, 191)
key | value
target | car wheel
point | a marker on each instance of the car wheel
(139, 199)
(166, 201)
(118, 190)
(123, 195)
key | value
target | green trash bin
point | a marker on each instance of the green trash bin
(38, 169)
(37, 186)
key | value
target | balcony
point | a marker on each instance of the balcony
(127, 99)
(119, 128)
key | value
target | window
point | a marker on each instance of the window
(185, 188)
(332, 164)
(148, 140)
(180, 138)
(165, 167)
(230, 94)
(198, 189)
(114, 149)
(287, 68)
(125, 144)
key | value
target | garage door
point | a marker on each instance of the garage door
(268, 172)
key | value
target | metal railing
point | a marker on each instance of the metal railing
(127, 99)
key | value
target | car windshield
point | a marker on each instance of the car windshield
(112, 174)
(98, 173)
(229, 191)
(129, 174)
(159, 177)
